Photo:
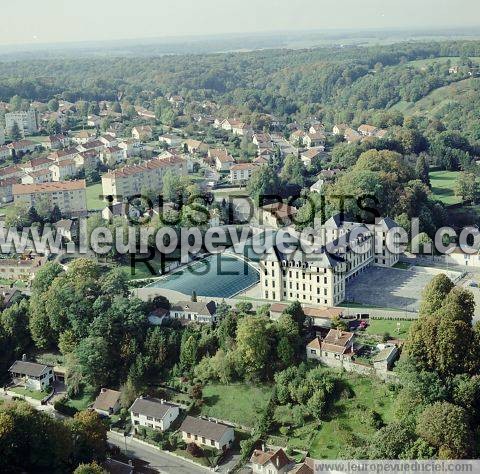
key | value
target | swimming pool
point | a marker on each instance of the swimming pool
(220, 276)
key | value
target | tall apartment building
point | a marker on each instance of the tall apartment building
(27, 121)
(69, 196)
(2, 136)
(130, 180)
(344, 250)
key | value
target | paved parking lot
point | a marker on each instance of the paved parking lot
(392, 287)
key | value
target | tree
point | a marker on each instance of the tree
(422, 169)
(15, 133)
(56, 214)
(92, 468)
(90, 437)
(293, 171)
(446, 427)
(53, 105)
(14, 322)
(390, 441)
(264, 182)
(435, 293)
(253, 345)
(188, 353)
(466, 186)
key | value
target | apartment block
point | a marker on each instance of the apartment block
(69, 196)
(27, 122)
(131, 180)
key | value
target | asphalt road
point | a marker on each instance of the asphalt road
(158, 460)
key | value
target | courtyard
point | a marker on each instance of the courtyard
(392, 288)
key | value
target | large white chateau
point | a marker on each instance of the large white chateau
(342, 250)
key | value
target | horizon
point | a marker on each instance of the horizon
(57, 23)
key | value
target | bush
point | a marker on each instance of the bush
(194, 450)
(63, 408)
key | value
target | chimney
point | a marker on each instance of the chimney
(103, 390)
(24, 357)
(263, 447)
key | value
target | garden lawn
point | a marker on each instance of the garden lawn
(443, 186)
(81, 403)
(94, 203)
(396, 328)
(239, 403)
(348, 418)
(29, 393)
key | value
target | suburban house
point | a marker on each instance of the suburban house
(83, 136)
(170, 139)
(367, 130)
(317, 186)
(153, 413)
(63, 170)
(384, 360)
(157, 316)
(223, 161)
(67, 228)
(352, 136)
(242, 172)
(316, 139)
(31, 375)
(107, 402)
(111, 156)
(339, 129)
(297, 137)
(207, 433)
(6, 187)
(195, 311)
(270, 462)
(333, 350)
(276, 215)
(194, 146)
(311, 154)
(23, 146)
(142, 133)
(4, 152)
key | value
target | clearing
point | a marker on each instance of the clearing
(443, 185)
(239, 403)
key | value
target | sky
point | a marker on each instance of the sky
(58, 21)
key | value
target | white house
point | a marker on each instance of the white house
(31, 375)
(270, 462)
(170, 140)
(153, 413)
(242, 172)
(197, 311)
(63, 169)
(207, 433)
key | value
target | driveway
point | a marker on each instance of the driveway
(159, 460)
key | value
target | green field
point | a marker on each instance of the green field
(35, 394)
(397, 329)
(348, 419)
(443, 185)
(239, 403)
(94, 203)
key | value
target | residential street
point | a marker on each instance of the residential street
(159, 460)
